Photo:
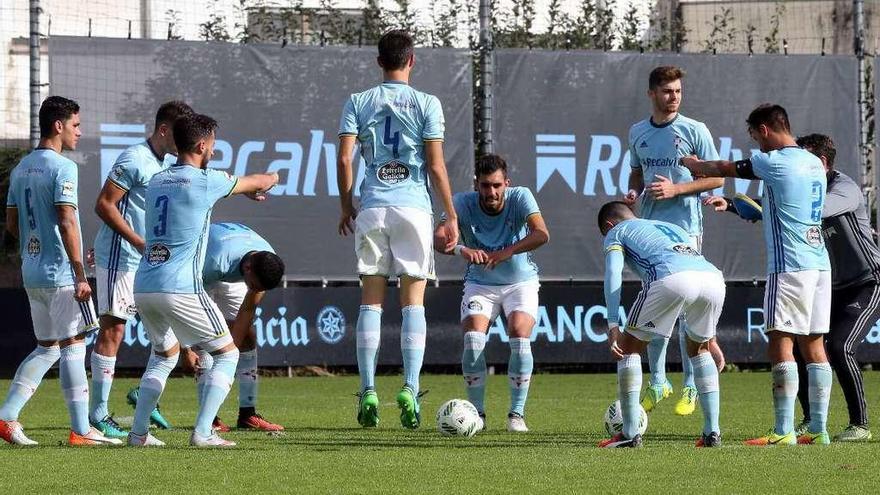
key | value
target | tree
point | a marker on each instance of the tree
(214, 29)
(629, 29)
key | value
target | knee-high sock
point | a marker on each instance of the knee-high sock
(686, 366)
(103, 368)
(657, 360)
(75, 385)
(27, 378)
(412, 344)
(151, 387)
(519, 373)
(820, 394)
(473, 367)
(247, 378)
(785, 388)
(206, 362)
(368, 331)
(217, 387)
(706, 382)
(629, 384)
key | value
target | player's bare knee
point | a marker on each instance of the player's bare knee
(694, 347)
(812, 348)
(475, 323)
(520, 325)
(631, 345)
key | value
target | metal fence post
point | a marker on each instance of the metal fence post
(35, 72)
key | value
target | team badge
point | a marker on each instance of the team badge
(393, 172)
(814, 236)
(474, 306)
(331, 324)
(67, 189)
(33, 246)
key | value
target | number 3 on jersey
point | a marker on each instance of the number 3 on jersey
(162, 206)
(391, 140)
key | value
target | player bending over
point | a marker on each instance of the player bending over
(797, 297)
(500, 226)
(676, 279)
(400, 132)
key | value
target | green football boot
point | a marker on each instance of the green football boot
(410, 410)
(156, 418)
(368, 409)
(109, 427)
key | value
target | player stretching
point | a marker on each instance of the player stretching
(672, 195)
(240, 266)
(500, 225)
(168, 286)
(676, 279)
(797, 298)
(119, 247)
(41, 211)
(400, 132)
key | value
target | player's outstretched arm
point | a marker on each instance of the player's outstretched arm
(440, 181)
(68, 227)
(713, 168)
(345, 182)
(105, 208)
(476, 256)
(255, 185)
(613, 283)
(538, 236)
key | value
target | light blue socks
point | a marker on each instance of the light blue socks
(657, 360)
(151, 387)
(27, 378)
(369, 325)
(686, 367)
(103, 368)
(519, 373)
(247, 378)
(473, 367)
(217, 385)
(785, 389)
(706, 381)
(75, 386)
(412, 344)
(629, 385)
(819, 375)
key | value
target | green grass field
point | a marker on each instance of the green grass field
(324, 451)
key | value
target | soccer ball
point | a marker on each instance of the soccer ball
(614, 419)
(458, 418)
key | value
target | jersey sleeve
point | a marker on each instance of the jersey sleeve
(613, 281)
(220, 184)
(66, 185)
(435, 124)
(704, 144)
(634, 161)
(124, 173)
(526, 202)
(758, 166)
(613, 242)
(348, 122)
(843, 197)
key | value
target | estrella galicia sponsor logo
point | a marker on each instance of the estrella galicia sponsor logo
(393, 172)
(331, 324)
(685, 249)
(158, 254)
(33, 246)
(814, 236)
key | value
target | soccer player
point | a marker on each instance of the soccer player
(168, 287)
(500, 226)
(240, 266)
(676, 278)
(41, 211)
(855, 285)
(671, 195)
(119, 247)
(797, 298)
(400, 132)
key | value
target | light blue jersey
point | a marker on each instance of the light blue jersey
(794, 196)
(228, 243)
(479, 230)
(654, 249)
(41, 181)
(656, 149)
(392, 121)
(131, 173)
(179, 203)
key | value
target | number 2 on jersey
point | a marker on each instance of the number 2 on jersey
(162, 205)
(391, 140)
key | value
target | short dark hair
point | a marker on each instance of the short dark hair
(819, 145)
(771, 115)
(488, 164)
(192, 128)
(664, 74)
(170, 111)
(53, 109)
(268, 267)
(614, 210)
(395, 49)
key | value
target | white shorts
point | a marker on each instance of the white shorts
(192, 319)
(115, 293)
(698, 294)
(490, 300)
(395, 241)
(798, 303)
(58, 316)
(228, 296)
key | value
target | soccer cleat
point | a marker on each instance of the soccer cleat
(713, 439)
(213, 440)
(93, 437)
(368, 409)
(654, 394)
(772, 439)
(516, 423)
(257, 422)
(219, 425)
(109, 427)
(156, 418)
(854, 433)
(802, 427)
(135, 440)
(619, 441)
(12, 432)
(810, 438)
(688, 402)
(410, 410)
